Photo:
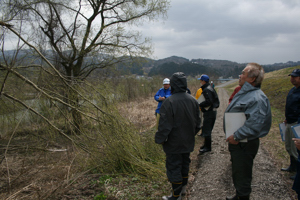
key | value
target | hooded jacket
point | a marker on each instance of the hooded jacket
(179, 119)
(256, 106)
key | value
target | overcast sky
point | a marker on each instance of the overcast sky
(262, 31)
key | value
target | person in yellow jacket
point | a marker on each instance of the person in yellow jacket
(198, 94)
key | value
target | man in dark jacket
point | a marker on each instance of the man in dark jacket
(179, 123)
(295, 92)
(292, 117)
(209, 108)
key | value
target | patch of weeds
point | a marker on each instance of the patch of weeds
(136, 187)
(100, 196)
(134, 179)
(94, 182)
(104, 179)
(155, 186)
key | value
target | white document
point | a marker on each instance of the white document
(201, 99)
(296, 130)
(282, 128)
(233, 121)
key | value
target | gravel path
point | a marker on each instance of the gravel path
(213, 180)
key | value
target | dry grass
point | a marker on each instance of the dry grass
(34, 174)
(140, 112)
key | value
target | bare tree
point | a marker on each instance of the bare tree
(79, 31)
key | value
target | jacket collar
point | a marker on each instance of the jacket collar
(205, 85)
(247, 87)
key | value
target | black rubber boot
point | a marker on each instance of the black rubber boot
(293, 177)
(292, 167)
(293, 164)
(232, 197)
(176, 190)
(202, 145)
(207, 145)
(184, 184)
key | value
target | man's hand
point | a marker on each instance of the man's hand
(161, 98)
(231, 140)
(297, 142)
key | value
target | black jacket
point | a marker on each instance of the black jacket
(179, 119)
(211, 98)
(292, 106)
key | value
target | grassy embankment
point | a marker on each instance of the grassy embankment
(121, 160)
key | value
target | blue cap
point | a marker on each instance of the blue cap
(204, 77)
(296, 72)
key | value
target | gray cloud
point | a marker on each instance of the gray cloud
(263, 31)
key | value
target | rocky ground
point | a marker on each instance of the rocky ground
(213, 178)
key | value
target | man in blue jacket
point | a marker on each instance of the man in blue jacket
(292, 117)
(251, 101)
(179, 123)
(160, 96)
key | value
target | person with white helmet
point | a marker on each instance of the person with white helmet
(160, 96)
(212, 84)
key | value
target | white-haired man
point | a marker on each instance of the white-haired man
(251, 101)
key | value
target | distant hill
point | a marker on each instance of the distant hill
(222, 68)
(174, 59)
(217, 63)
(190, 69)
(162, 67)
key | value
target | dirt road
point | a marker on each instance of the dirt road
(213, 180)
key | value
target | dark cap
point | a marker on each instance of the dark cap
(296, 72)
(204, 77)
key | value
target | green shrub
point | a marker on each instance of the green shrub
(100, 196)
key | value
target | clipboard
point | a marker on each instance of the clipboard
(282, 128)
(296, 130)
(201, 99)
(233, 121)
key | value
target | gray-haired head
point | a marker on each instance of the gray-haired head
(257, 71)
